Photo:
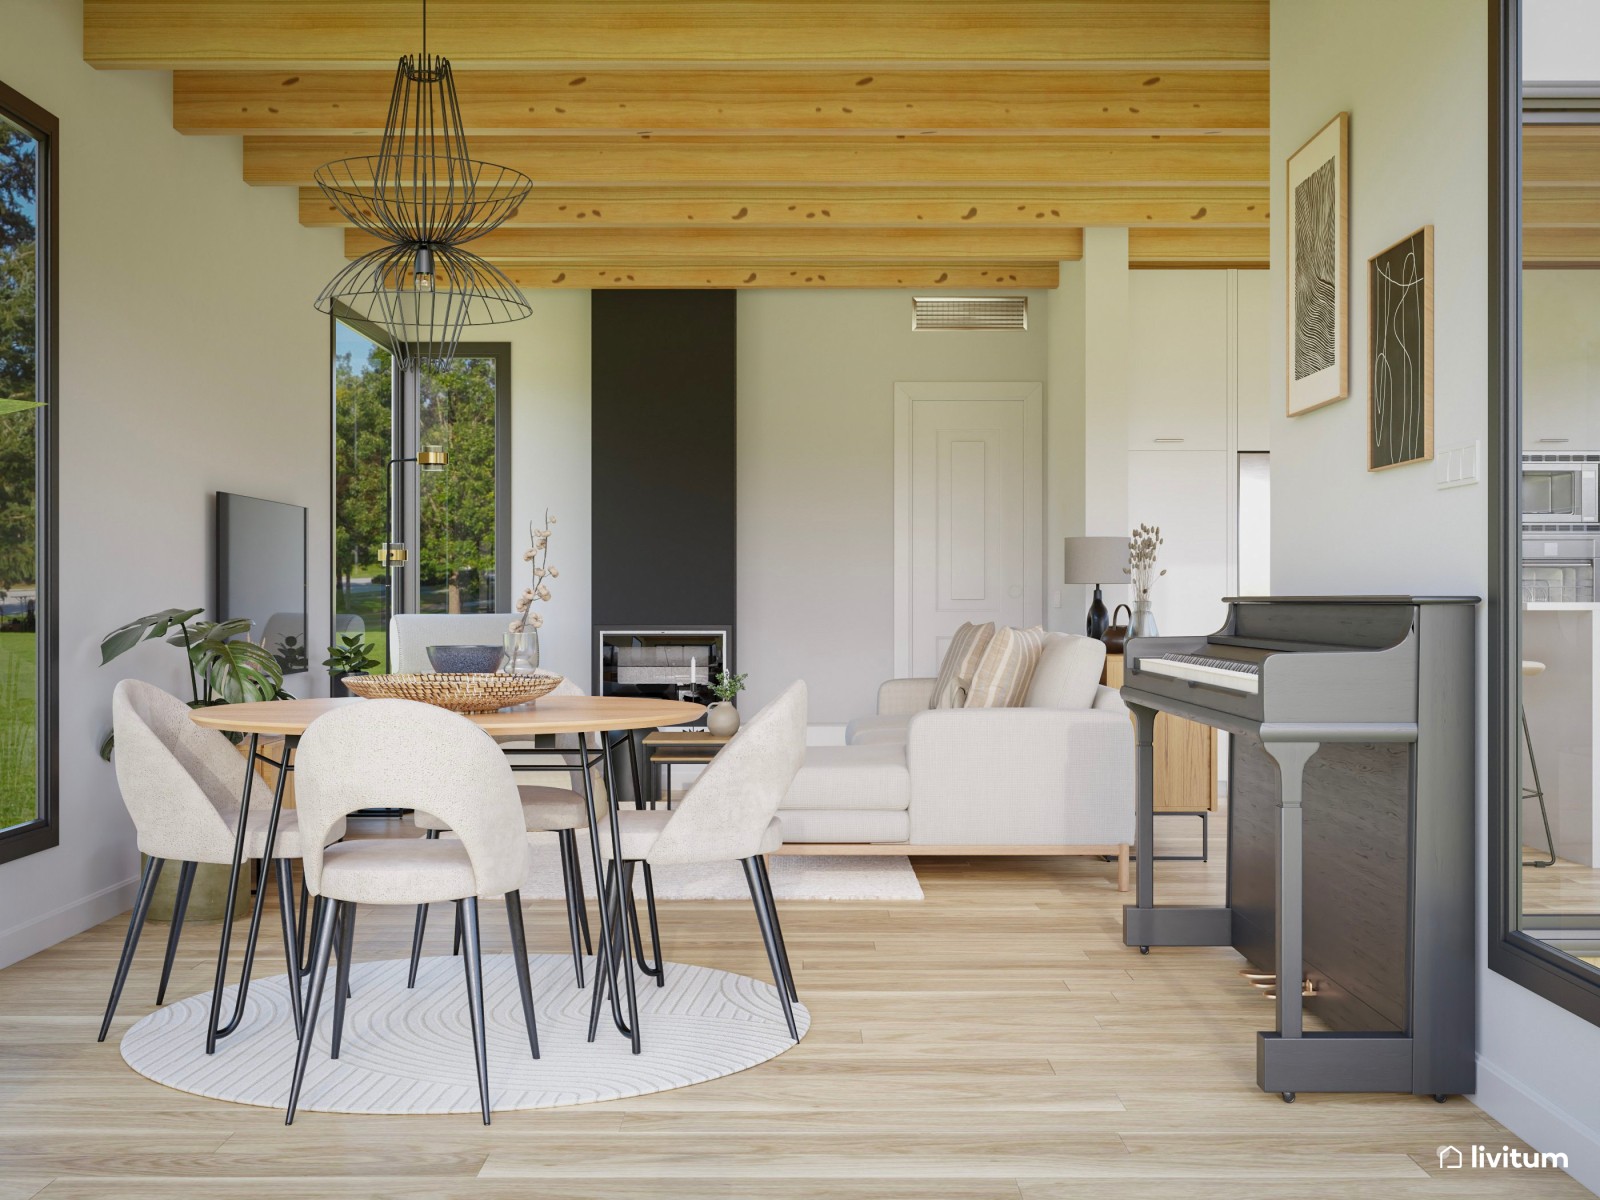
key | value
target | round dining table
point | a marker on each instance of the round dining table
(585, 716)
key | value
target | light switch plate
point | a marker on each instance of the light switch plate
(1457, 466)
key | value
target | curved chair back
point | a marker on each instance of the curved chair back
(410, 635)
(180, 782)
(727, 810)
(403, 754)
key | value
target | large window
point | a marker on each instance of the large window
(27, 394)
(448, 517)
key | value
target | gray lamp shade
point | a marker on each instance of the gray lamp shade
(1098, 560)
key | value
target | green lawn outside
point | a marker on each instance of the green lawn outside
(18, 757)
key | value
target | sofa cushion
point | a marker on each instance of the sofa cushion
(844, 825)
(960, 664)
(1068, 674)
(1007, 666)
(851, 777)
(865, 731)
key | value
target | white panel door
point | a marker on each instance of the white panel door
(1186, 494)
(970, 547)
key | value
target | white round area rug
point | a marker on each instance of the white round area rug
(410, 1050)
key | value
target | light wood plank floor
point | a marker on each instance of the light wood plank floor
(996, 1041)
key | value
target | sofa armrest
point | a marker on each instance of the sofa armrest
(902, 697)
(1021, 776)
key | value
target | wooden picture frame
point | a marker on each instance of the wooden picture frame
(1316, 269)
(1400, 352)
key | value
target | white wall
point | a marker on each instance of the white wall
(1412, 77)
(550, 466)
(191, 360)
(1560, 41)
(817, 371)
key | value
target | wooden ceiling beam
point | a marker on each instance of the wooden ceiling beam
(1208, 248)
(922, 207)
(512, 102)
(1560, 155)
(644, 246)
(972, 276)
(1563, 246)
(299, 34)
(867, 160)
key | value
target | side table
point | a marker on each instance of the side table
(667, 748)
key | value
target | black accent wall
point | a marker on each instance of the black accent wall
(663, 385)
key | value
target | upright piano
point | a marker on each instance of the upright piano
(1351, 823)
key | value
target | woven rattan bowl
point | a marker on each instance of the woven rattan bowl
(475, 693)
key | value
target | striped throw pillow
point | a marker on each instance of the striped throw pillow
(1006, 669)
(960, 662)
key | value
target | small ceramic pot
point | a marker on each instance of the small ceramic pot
(722, 719)
(464, 660)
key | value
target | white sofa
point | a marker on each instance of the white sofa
(1034, 779)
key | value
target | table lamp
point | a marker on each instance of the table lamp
(1096, 560)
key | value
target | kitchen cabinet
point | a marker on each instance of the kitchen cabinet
(1178, 360)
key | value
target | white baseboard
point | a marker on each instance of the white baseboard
(1542, 1125)
(45, 931)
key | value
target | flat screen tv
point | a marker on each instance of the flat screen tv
(261, 573)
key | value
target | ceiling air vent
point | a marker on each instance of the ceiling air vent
(969, 312)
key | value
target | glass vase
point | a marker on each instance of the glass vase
(1143, 621)
(521, 652)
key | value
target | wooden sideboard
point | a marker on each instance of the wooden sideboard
(1185, 755)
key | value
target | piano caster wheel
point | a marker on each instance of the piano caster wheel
(1288, 1097)
(1144, 949)
(1440, 1097)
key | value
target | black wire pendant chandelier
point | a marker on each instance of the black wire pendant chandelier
(425, 196)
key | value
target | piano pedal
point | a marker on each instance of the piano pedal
(1267, 984)
(1306, 989)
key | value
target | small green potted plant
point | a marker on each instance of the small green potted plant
(722, 718)
(347, 656)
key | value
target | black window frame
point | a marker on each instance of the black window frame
(1519, 957)
(44, 831)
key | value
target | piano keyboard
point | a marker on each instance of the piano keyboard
(1224, 673)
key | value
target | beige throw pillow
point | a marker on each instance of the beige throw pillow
(1068, 673)
(1003, 675)
(960, 661)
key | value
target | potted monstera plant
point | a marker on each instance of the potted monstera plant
(224, 667)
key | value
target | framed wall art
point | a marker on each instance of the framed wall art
(1400, 374)
(1318, 202)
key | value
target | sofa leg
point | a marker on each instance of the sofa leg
(1122, 867)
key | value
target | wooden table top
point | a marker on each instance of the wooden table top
(552, 714)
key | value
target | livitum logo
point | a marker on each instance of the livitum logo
(1480, 1158)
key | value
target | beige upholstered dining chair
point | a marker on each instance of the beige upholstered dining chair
(545, 809)
(728, 814)
(402, 754)
(181, 784)
(410, 635)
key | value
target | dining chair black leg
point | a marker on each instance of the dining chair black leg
(307, 937)
(416, 944)
(625, 929)
(347, 937)
(605, 966)
(321, 948)
(283, 870)
(455, 948)
(519, 952)
(180, 905)
(764, 919)
(654, 970)
(577, 892)
(474, 959)
(130, 942)
(568, 844)
(777, 929)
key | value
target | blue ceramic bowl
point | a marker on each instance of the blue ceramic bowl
(468, 660)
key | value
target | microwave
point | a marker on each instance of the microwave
(1560, 490)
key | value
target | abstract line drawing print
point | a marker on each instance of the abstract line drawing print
(1401, 381)
(1315, 272)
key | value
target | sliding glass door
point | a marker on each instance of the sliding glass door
(27, 395)
(421, 493)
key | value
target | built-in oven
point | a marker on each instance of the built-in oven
(1558, 570)
(1560, 491)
